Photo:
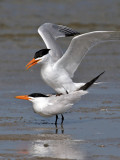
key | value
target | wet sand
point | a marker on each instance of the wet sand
(91, 128)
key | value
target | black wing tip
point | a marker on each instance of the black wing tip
(67, 31)
(88, 84)
(72, 34)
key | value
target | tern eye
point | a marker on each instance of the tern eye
(41, 53)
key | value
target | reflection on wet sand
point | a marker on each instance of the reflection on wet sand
(44, 146)
(63, 149)
(62, 130)
(23, 134)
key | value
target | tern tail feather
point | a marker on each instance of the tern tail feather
(88, 84)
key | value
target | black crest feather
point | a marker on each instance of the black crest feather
(37, 95)
(41, 53)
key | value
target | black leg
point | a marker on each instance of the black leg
(67, 92)
(56, 131)
(62, 119)
(62, 129)
(56, 119)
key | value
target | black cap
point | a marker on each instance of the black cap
(37, 95)
(41, 53)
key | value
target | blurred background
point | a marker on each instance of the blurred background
(19, 40)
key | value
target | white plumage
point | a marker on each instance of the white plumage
(48, 106)
(57, 69)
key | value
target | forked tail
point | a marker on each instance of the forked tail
(88, 84)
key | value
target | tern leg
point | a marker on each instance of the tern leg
(56, 131)
(67, 92)
(62, 130)
(56, 119)
(62, 119)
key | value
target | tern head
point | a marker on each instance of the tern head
(39, 57)
(31, 97)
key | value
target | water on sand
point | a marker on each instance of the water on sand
(91, 128)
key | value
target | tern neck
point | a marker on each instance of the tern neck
(48, 61)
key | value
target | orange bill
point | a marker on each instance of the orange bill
(32, 63)
(25, 97)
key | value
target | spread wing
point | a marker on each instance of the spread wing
(50, 32)
(80, 45)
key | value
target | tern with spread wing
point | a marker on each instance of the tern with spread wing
(57, 69)
(52, 105)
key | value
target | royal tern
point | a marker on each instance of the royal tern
(48, 106)
(57, 69)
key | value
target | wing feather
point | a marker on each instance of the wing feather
(50, 32)
(80, 45)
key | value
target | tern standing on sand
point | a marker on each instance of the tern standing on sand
(48, 106)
